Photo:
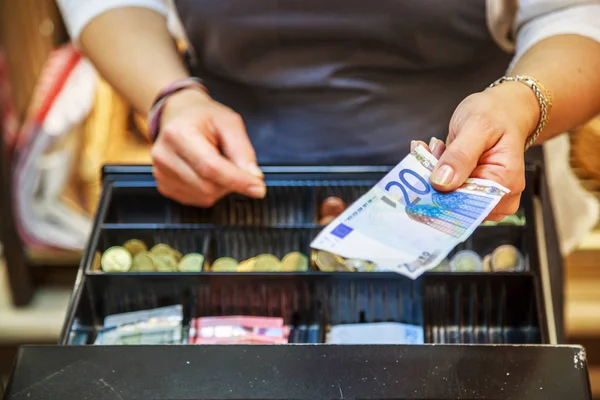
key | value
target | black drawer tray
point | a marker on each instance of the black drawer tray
(452, 307)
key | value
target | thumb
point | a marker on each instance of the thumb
(460, 158)
(235, 144)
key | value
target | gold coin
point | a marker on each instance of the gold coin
(294, 262)
(166, 262)
(247, 265)
(192, 262)
(370, 267)
(96, 262)
(443, 266)
(144, 262)
(116, 259)
(267, 263)
(486, 264)
(161, 248)
(507, 258)
(224, 264)
(135, 246)
(328, 262)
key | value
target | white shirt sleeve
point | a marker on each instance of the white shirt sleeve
(78, 13)
(537, 20)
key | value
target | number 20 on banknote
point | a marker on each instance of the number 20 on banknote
(420, 187)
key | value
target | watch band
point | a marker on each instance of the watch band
(154, 116)
(543, 97)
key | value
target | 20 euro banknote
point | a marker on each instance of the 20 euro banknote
(404, 225)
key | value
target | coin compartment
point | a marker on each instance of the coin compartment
(244, 243)
(145, 205)
(348, 191)
(283, 205)
(183, 240)
(486, 239)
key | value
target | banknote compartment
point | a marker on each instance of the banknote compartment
(481, 309)
(184, 240)
(484, 309)
(200, 296)
(371, 300)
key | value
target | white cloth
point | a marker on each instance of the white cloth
(516, 25)
(576, 210)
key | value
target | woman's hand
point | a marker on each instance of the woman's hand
(486, 140)
(203, 152)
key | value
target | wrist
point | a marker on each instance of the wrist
(523, 106)
(177, 101)
(155, 116)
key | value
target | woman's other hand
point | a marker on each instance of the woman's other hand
(203, 152)
(486, 140)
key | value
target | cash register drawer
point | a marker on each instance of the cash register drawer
(452, 307)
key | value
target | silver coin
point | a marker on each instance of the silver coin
(466, 261)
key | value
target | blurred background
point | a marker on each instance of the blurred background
(61, 122)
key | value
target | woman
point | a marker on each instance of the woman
(346, 82)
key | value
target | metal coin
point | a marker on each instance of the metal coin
(356, 265)
(191, 262)
(135, 246)
(294, 262)
(328, 262)
(144, 262)
(247, 265)
(161, 248)
(332, 206)
(444, 266)
(267, 263)
(507, 258)
(224, 264)
(166, 263)
(486, 264)
(466, 261)
(116, 259)
(327, 220)
(96, 262)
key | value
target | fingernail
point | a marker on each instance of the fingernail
(433, 143)
(413, 145)
(443, 176)
(258, 191)
(254, 170)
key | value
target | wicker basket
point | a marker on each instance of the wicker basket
(586, 149)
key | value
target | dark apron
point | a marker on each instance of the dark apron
(341, 82)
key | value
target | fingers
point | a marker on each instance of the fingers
(437, 147)
(197, 195)
(495, 217)
(175, 179)
(415, 143)
(207, 162)
(235, 143)
(460, 157)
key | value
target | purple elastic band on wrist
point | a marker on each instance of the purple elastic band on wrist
(157, 107)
